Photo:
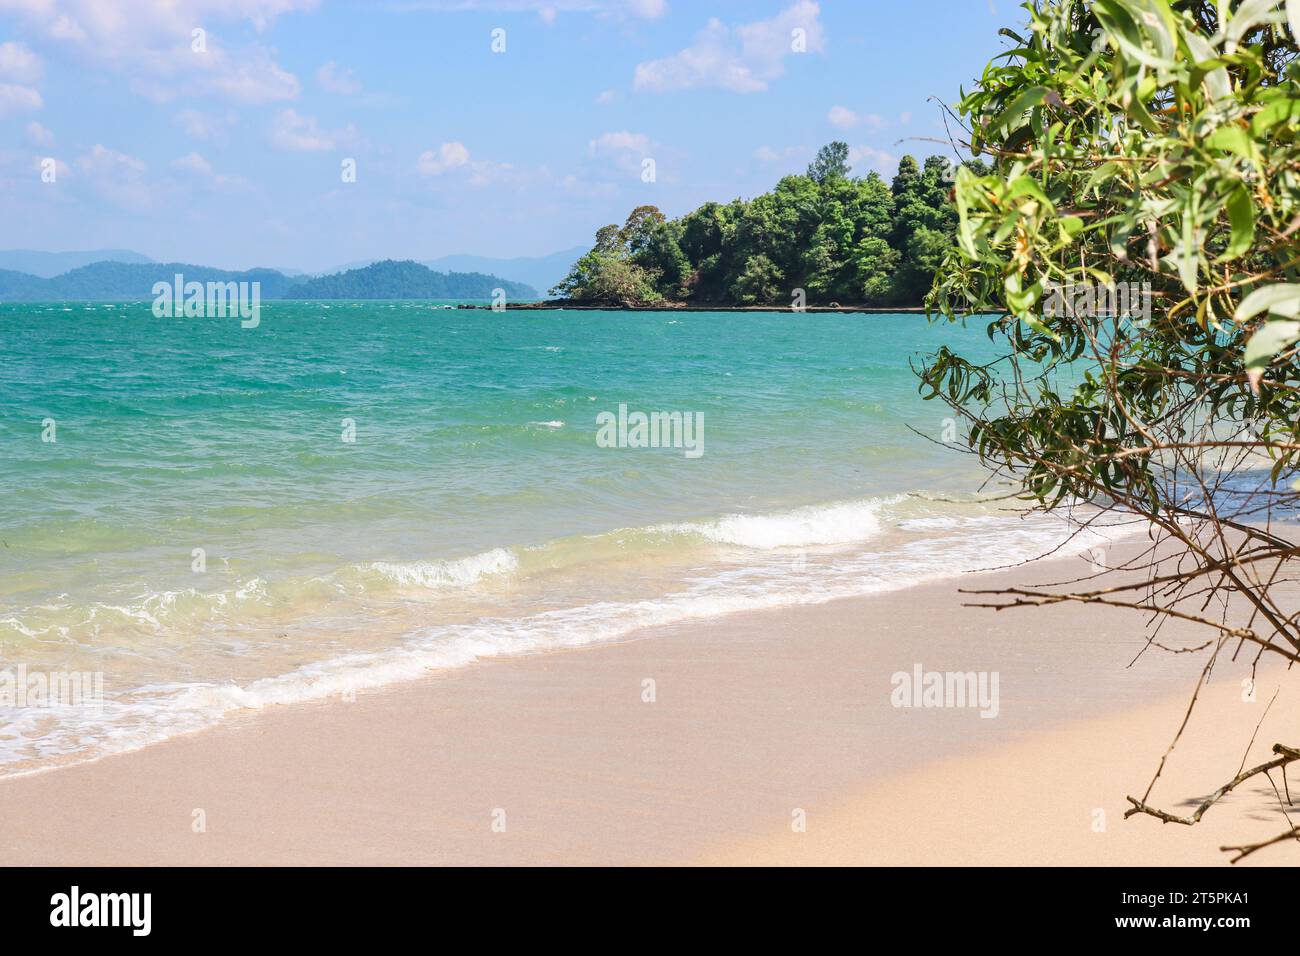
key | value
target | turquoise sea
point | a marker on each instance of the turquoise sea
(200, 531)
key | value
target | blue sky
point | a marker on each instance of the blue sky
(232, 154)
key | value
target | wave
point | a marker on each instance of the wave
(461, 572)
(838, 523)
(845, 549)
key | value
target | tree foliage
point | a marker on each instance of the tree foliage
(839, 238)
(832, 162)
(1153, 143)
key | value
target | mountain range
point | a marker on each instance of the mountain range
(47, 265)
(108, 280)
(539, 273)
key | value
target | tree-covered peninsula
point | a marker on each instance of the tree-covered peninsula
(841, 239)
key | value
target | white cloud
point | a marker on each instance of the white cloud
(744, 59)
(448, 156)
(205, 126)
(65, 28)
(546, 9)
(768, 154)
(151, 42)
(39, 134)
(619, 142)
(871, 158)
(605, 97)
(117, 25)
(336, 79)
(845, 118)
(454, 158)
(255, 78)
(197, 167)
(647, 9)
(19, 64)
(292, 131)
(193, 163)
(622, 150)
(587, 190)
(14, 98)
(117, 176)
(102, 159)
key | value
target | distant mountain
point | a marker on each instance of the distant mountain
(127, 281)
(47, 265)
(407, 279)
(124, 281)
(540, 272)
(19, 286)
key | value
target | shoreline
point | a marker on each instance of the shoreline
(755, 714)
(559, 305)
(547, 305)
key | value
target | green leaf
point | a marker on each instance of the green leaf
(1028, 186)
(1283, 110)
(1241, 217)
(1234, 139)
(1144, 29)
(1283, 300)
(1120, 234)
(1209, 69)
(1013, 116)
(1272, 338)
(1187, 253)
(1037, 325)
(1250, 14)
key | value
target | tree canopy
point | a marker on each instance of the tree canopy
(840, 238)
(1147, 146)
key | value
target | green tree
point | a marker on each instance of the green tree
(874, 262)
(832, 162)
(660, 255)
(924, 224)
(641, 224)
(609, 239)
(1152, 145)
(810, 232)
(759, 283)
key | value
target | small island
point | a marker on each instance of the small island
(824, 240)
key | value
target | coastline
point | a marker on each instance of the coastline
(543, 305)
(560, 305)
(755, 715)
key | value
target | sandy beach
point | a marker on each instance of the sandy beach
(758, 721)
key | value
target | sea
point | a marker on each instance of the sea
(203, 519)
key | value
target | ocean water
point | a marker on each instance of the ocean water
(353, 494)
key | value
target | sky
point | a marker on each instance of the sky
(223, 132)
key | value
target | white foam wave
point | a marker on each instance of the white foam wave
(460, 572)
(846, 522)
(768, 579)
